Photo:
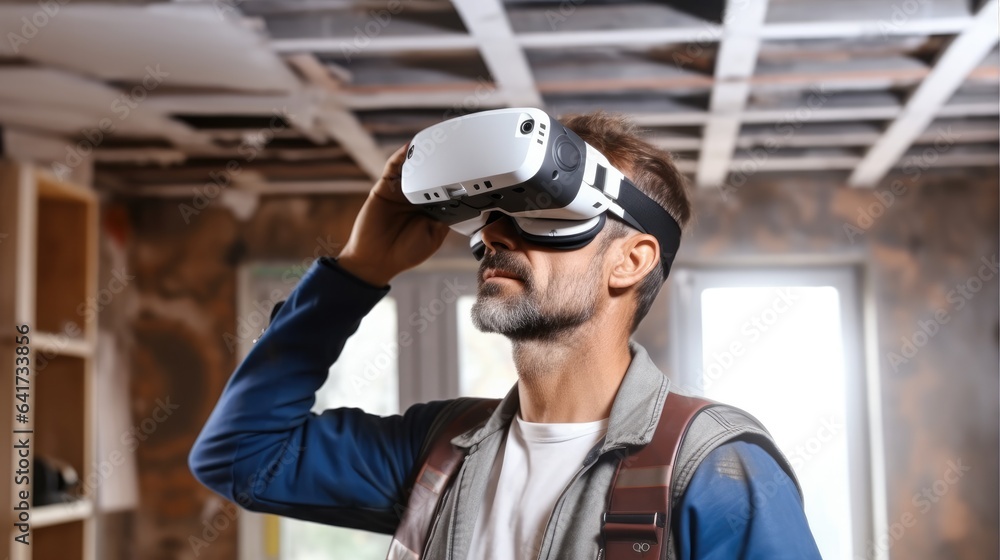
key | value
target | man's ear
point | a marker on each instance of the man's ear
(637, 255)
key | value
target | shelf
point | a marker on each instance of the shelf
(50, 186)
(61, 345)
(54, 225)
(55, 514)
(66, 540)
(61, 423)
(65, 265)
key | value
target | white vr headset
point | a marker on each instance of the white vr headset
(472, 170)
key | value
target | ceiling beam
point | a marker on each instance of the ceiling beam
(223, 103)
(172, 156)
(344, 127)
(329, 117)
(625, 75)
(951, 68)
(299, 109)
(863, 20)
(487, 97)
(676, 143)
(830, 111)
(483, 97)
(779, 163)
(843, 160)
(861, 134)
(864, 28)
(183, 190)
(327, 75)
(377, 45)
(480, 94)
(734, 66)
(707, 33)
(787, 118)
(487, 23)
(27, 145)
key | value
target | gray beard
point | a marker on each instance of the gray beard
(521, 317)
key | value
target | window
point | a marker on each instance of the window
(485, 361)
(786, 347)
(366, 376)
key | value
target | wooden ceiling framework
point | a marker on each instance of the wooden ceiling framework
(321, 90)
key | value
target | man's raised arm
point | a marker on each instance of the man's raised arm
(263, 448)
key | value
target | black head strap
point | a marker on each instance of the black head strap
(646, 215)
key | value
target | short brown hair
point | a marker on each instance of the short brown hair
(651, 169)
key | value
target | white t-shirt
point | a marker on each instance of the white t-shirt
(533, 467)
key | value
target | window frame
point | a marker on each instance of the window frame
(863, 418)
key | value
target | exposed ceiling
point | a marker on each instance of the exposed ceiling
(311, 95)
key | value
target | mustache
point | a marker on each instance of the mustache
(507, 262)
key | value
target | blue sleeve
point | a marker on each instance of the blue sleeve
(265, 450)
(741, 505)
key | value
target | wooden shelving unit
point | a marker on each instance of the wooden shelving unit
(47, 516)
(48, 255)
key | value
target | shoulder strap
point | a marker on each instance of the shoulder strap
(638, 516)
(441, 461)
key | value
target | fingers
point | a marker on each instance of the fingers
(394, 165)
(390, 186)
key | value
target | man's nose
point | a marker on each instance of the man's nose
(500, 235)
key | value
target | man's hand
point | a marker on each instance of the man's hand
(390, 234)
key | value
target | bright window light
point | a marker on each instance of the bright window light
(778, 353)
(485, 360)
(366, 376)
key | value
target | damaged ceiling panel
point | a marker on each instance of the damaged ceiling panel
(320, 91)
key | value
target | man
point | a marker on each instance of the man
(536, 476)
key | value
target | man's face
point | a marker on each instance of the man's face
(528, 292)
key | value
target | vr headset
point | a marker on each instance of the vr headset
(522, 163)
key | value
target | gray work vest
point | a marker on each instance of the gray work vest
(574, 528)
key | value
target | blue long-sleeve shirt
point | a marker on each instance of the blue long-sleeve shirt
(264, 449)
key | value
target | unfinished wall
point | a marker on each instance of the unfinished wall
(941, 406)
(186, 275)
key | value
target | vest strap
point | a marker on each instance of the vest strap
(439, 465)
(637, 522)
